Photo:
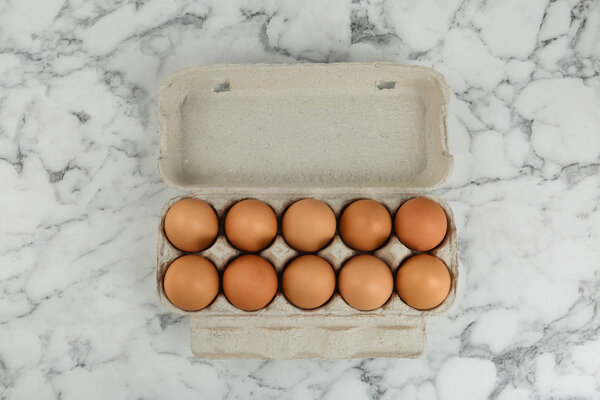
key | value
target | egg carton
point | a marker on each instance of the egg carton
(280, 133)
(289, 328)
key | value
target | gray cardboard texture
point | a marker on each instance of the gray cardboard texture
(294, 127)
(336, 132)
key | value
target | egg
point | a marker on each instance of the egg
(308, 281)
(423, 282)
(365, 282)
(250, 225)
(421, 224)
(191, 225)
(308, 225)
(191, 282)
(365, 225)
(250, 282)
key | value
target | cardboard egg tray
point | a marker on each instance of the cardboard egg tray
(280, 133)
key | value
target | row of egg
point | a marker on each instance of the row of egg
(250, 282)
(307, 225)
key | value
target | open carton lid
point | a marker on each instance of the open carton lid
(304, 128)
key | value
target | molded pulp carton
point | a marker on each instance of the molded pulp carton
(279, 133)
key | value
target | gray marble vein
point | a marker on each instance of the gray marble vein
(81, 196)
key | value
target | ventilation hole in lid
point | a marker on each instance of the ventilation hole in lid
(381, 85)
(221, 87)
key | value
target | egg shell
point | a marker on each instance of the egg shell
(365, 225)
(365, 282)
(191, 282)
(250, 282)
(251, 225)
(421, 224)
(308, 225)
(191, 225)
(308, 281)
(423, 281)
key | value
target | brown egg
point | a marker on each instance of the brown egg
(191, 282)
(251, 225)
(308, 225)
(423, 282)
(308, 281)
(191, 225)
(365, 225)
(421, 224)
(249, 282)
(365, 282)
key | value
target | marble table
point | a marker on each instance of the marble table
(80, 196)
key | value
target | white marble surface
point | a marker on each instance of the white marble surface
(81, 195)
